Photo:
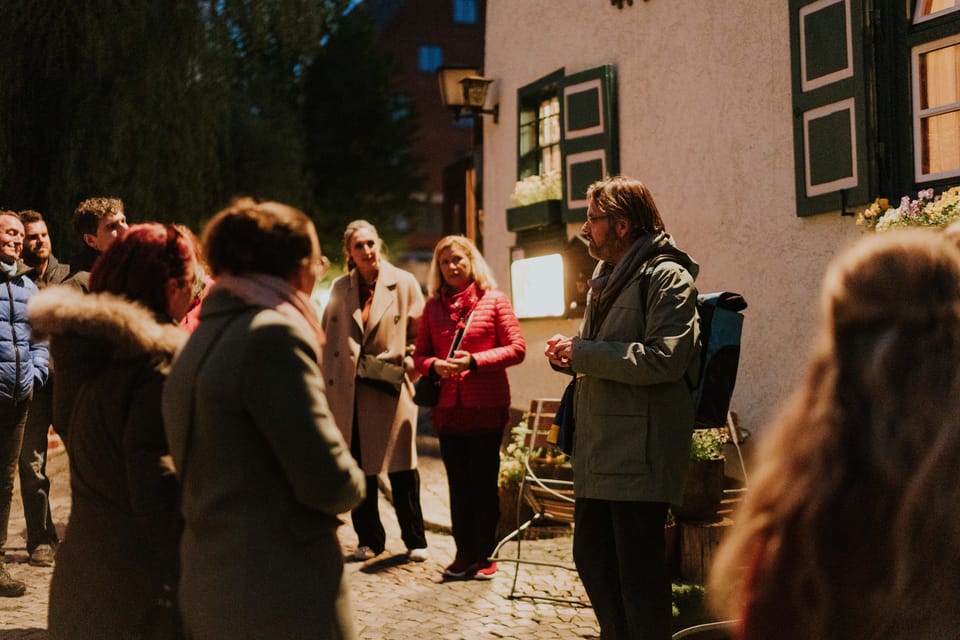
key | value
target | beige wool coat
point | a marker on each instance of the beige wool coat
(387, 423)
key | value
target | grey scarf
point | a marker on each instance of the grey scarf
(610, 279)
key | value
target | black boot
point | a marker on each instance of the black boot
(10, 588)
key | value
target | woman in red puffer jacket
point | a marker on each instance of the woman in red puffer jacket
(474, 406)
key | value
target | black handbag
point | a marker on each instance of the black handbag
(426, 391)
(382, 374)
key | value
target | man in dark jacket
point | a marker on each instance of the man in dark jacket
(633, 407)
(42, 537)
(23, 364)
(98, 222)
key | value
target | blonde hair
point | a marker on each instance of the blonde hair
(482, 275)
(850, 527)
(351, 229)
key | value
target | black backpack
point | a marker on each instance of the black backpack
(721, 325)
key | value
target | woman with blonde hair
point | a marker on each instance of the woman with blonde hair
(850, 526)
(474, 404)
(371, 323)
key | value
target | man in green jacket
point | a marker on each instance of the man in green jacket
(635, 360)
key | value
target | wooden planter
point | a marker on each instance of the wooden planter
(702, 492)
(532, 216)
(508, 511)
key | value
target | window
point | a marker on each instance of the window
(927, 9)
(936, 109)
(540, 136)
(876, 97)
(568, 124)
(567, 130)
(430, 58)
(465, 11)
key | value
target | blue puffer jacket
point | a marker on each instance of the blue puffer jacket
(23, 363)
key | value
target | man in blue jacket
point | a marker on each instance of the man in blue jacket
(22, 364)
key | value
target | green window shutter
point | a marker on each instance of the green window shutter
(834, 165)
(590, 150)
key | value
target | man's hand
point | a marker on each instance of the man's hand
(559, 350)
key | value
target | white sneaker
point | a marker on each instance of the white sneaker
(364, 553)
(418, 555)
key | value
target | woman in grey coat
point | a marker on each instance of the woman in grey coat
(263, 467)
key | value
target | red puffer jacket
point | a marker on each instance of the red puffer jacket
(493, 338)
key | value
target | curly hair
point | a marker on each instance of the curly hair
(87, 215)
(849, 529)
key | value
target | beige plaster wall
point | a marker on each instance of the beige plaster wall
(705, 121)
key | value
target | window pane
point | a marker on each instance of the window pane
(528, 138)
(929, 7)
(550, 159)
(429, 58)
(940, 77)
(465, 11)
(940, 142)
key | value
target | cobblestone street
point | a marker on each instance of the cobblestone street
(392, 599)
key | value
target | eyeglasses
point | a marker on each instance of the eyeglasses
(593, 219)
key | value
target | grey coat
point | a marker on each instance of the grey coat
(633, 407)
(264, 473)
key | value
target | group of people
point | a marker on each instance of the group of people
(26, 382)
(211, 459)
(211, 456)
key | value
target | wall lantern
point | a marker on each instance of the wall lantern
(463, 89)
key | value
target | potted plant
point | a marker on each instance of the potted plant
(703, 490)
(928, 210)
(536, 202)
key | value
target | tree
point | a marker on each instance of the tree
(359, 130)
(107, 98)
(176, 107)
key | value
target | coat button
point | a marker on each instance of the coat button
(330, 383)
(336, 354)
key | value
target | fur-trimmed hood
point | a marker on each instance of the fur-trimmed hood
(129, 327)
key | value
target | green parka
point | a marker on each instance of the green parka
(633, 405)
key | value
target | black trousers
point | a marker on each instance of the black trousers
(472, 463)
(34, 483)
(618, 548)
(405, 487)
(12, 419)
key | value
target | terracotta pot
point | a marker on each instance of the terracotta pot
(702, 492)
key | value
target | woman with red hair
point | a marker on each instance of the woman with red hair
(117, 564)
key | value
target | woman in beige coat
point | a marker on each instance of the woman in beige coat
(371, 324)
(263, 469)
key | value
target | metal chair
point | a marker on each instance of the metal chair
(549, 498)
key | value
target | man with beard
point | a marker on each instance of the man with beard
(42, 537)
(635, 363)
(23, 366)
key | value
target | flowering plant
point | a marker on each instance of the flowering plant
(537, 188)
(511, 458)
(927, 210)
(707, 444)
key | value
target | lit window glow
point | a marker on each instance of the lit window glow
(538, 286)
